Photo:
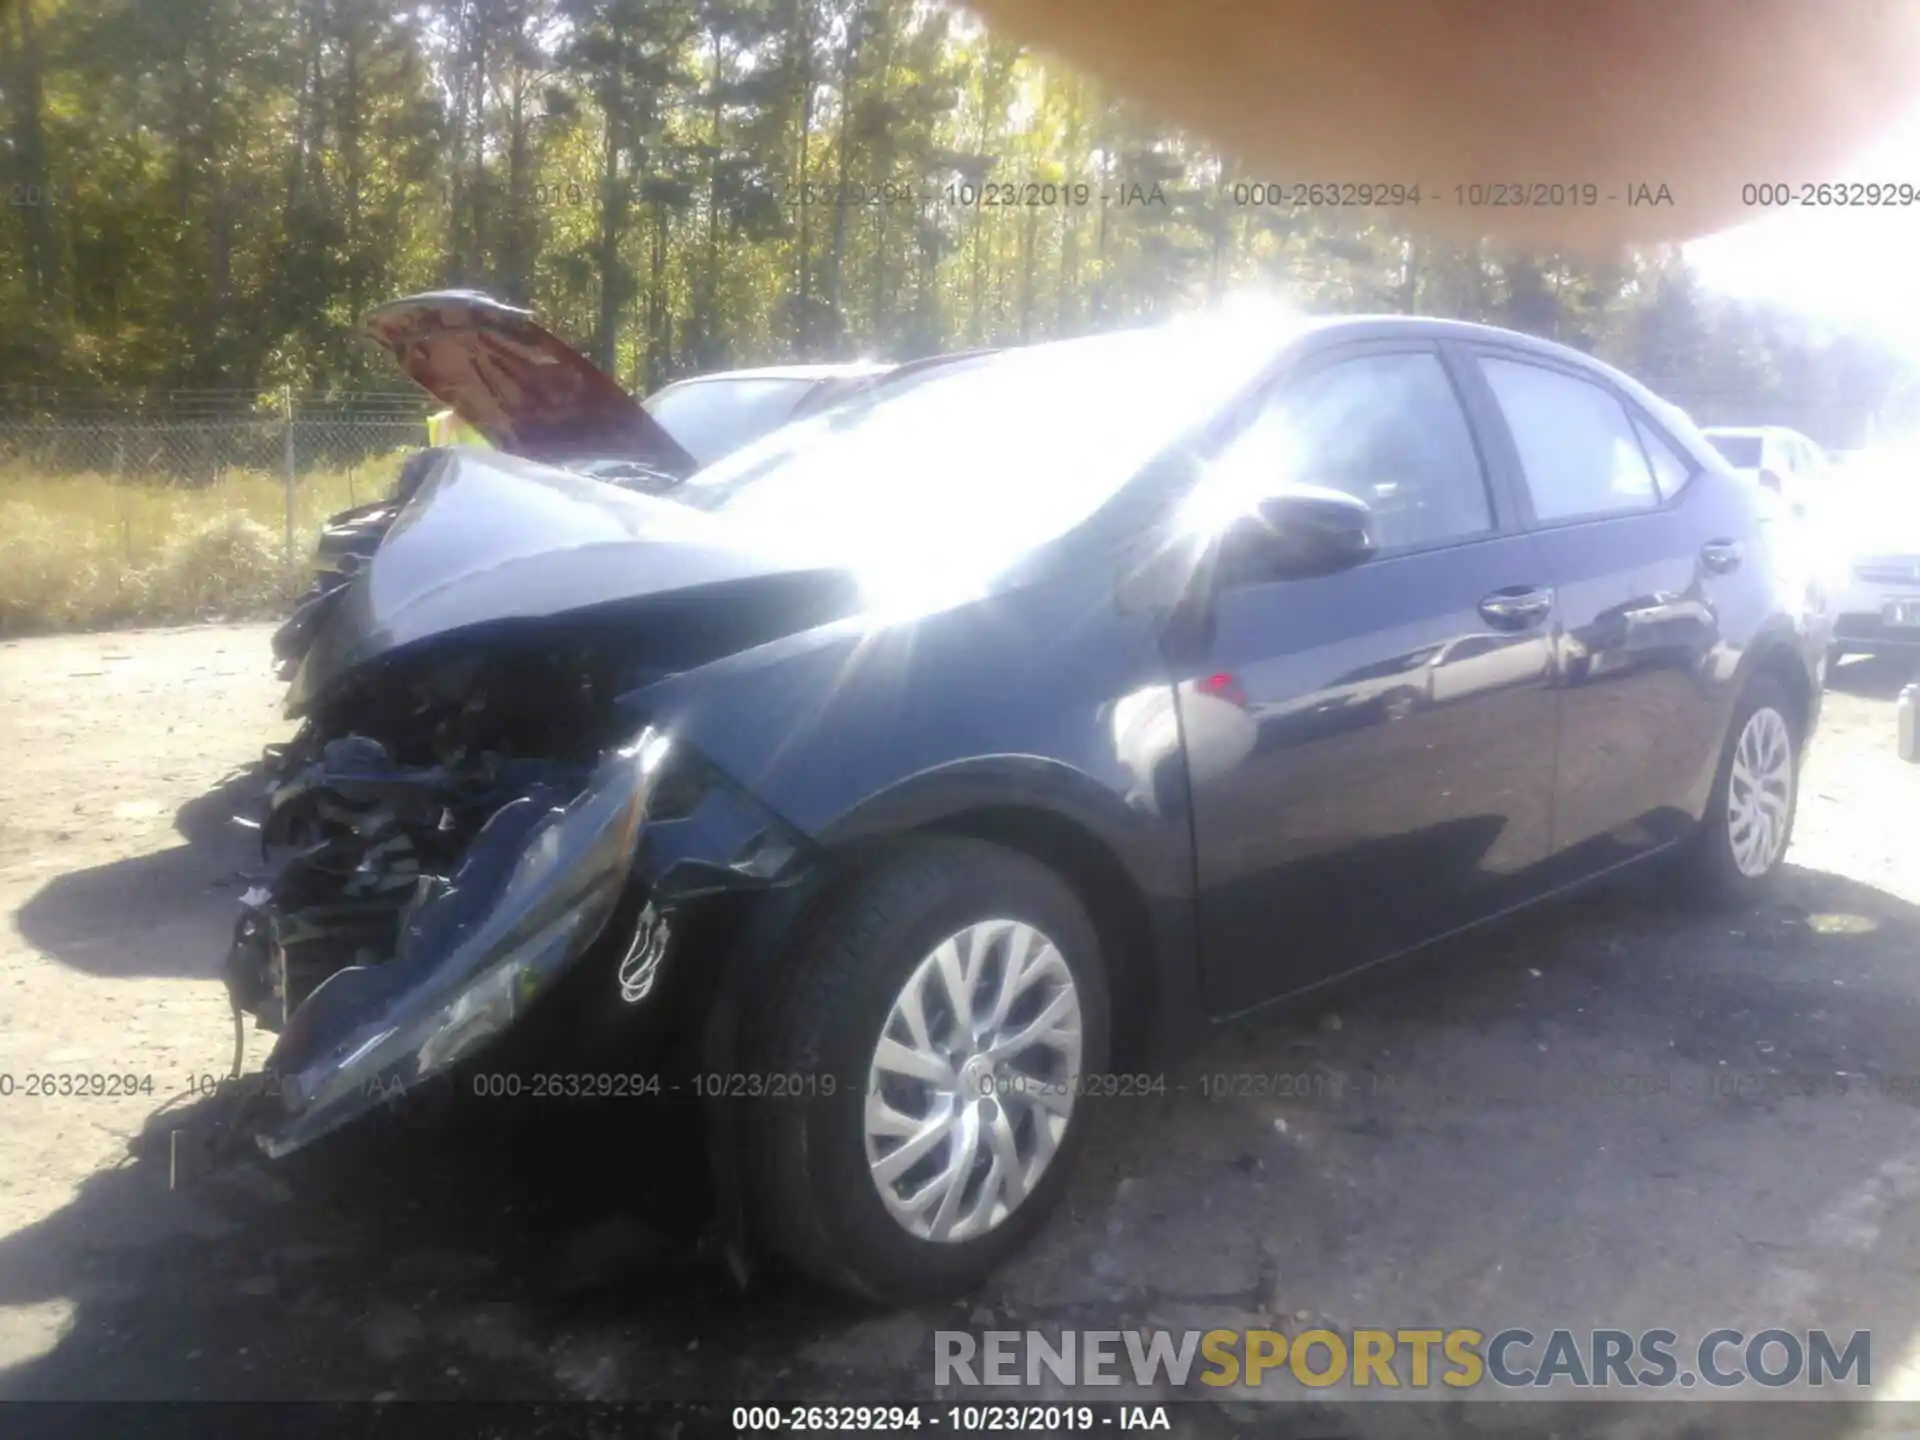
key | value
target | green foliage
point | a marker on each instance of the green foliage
(222, 186)
(81, 551)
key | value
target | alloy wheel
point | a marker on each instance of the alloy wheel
(1760, 792)
(972, 1083)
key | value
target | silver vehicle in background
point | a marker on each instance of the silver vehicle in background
(1867, 531)
(1777, 459)
(712, 415)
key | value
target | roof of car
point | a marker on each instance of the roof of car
(1385, 326)
(1399, 327)
(848, 370)
(1442, 329)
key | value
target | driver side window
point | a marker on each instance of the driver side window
(1385, 428)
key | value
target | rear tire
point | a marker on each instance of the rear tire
(826, 1179)
(1748, 825)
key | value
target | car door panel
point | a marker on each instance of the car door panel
(1637, 637)
(1381, 794)
(1359, 824)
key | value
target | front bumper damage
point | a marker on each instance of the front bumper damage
(420, 912)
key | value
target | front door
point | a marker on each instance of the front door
(1391, 765)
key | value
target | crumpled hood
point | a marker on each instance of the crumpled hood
(492, 537)
(517, 383)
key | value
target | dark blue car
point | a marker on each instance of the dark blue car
(916, 774)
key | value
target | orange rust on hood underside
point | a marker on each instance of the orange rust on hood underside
(517, 383)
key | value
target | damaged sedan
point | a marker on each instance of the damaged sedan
(516, 385)
(524, 391)
(928, 770)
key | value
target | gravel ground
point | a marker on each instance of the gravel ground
(1610, 1113)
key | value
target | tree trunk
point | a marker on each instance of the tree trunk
(879, 309)
(849, 74)
(803, 256)
(659, 360)
(477, 185)
(458, 125)
(705, 325)
(1029, 230)
(306, 104)
(613, 222)
(1409, 298)
(30, 152)
(352, 124)
(516, 263)
(1100, 241)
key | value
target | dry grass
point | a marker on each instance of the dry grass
(82, 551)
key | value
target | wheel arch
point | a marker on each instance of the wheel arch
(1781, 660)
(1131, 869)
(1133, 873)
(1776, 653)
(1113, 901)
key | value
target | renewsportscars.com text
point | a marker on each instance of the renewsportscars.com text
(1380, 1359)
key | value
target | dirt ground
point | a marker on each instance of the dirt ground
(1610, 1113)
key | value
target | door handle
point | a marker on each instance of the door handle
(1720, 556)
(1516, 607)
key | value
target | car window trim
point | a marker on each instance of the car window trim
(1473, 351)
(1644, 425)
(1314, 358)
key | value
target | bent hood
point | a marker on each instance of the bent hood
(491, 538)
(517, 383)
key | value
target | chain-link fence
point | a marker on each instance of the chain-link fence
(182, 511)
(191, 504)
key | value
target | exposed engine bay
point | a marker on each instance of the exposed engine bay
(478, 797)
(377, 799)
(462, 818)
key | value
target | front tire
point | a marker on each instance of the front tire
(1748, 825)
(939, 1018)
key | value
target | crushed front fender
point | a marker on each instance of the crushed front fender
(479, 950)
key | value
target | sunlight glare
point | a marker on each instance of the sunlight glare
(1847, 265)
(929, 494)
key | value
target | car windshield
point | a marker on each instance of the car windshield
(969, 465)
(710, 418)
(1740, 451)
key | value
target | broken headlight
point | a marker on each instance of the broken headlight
(533, 892)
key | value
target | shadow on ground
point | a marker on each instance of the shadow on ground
(1456, 1164)
(1874, 677)
(165, 913)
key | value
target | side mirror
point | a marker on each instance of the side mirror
(1303, 531)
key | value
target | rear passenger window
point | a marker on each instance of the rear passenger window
(1576, 442)
(1670, 469)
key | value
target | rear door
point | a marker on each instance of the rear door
(1354, 791)
(1636, 578)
